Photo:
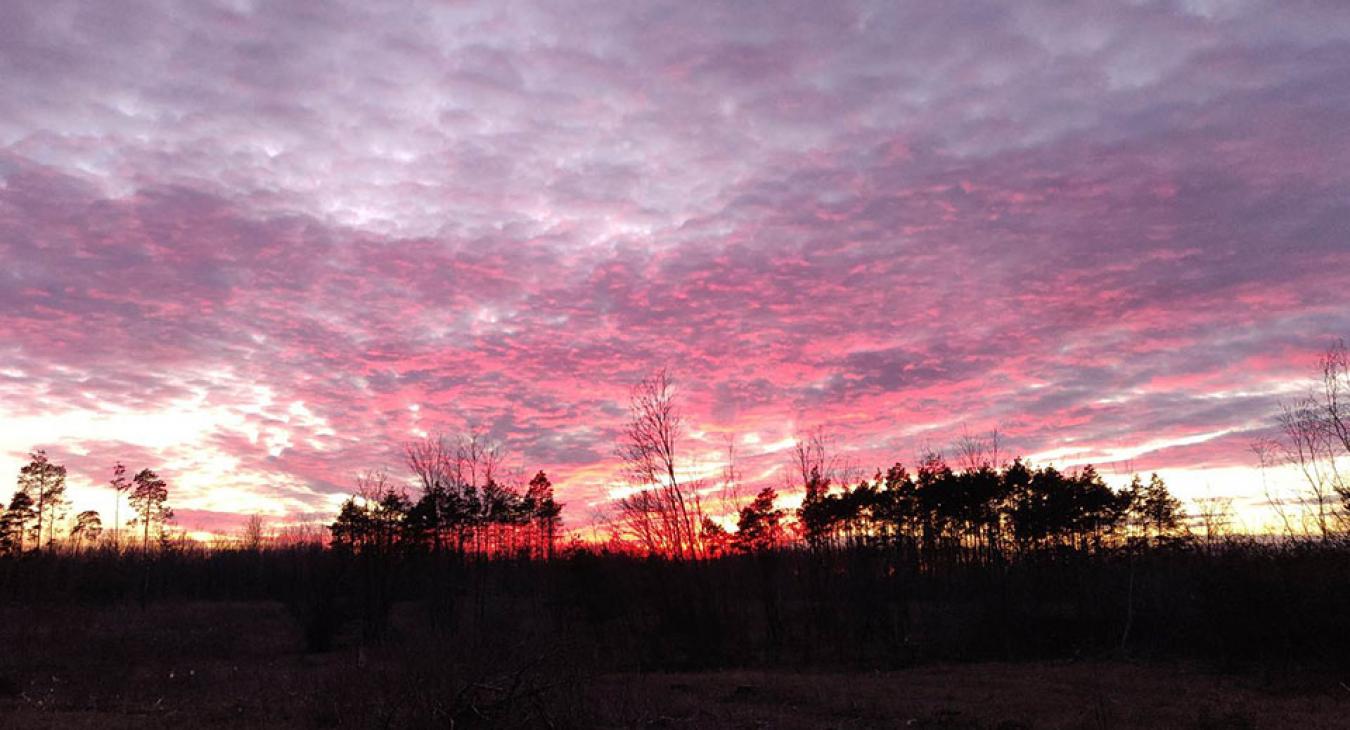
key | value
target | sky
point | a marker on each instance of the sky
(258, 246)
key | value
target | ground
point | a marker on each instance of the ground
(239, 665)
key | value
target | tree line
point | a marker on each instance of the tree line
(979, 507)
(39, 506)
(983, 509)
(463, 505)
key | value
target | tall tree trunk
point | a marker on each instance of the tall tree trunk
(40, 510)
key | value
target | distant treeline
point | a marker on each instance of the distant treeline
(979, 507)
(39, 506)
(1234, 602)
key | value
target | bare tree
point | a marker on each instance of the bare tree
(817, 463)
(663, 515)
(815, 466)
(1306, 447)
(974, 452)
(1215, 515)
(640, 520)
(434, 464)
(809, 456)
(255, 533)
(431, 460)
(372, 485)
(478, 458)
(1267, 451)
(1314, 439)
(1335, 371)
(730, 495)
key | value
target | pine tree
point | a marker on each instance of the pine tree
(760, 524)
(148, 496)
(543, 510)
(119, 484)
(88, 526)
(14, 522)
(1160, 510)
(45, 484)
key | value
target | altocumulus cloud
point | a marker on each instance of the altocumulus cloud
(260, 244)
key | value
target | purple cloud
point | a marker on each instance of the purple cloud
(261, 244)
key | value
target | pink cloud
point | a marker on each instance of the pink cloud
(302, 236)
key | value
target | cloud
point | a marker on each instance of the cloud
(246, 239)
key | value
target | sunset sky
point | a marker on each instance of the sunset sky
(256, 246)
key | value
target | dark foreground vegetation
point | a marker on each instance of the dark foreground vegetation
(228, 665)
(306, 636)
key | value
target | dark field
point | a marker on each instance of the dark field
(1236, 635)
(181, 664)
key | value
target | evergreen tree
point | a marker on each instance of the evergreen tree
(759, 527)
(88, 526)
(375, 524)
(148, 496)
(14, 522)
(714, 536)
(543, 510)
(815, 513)
(45, 484)
(119, 485)
(1160, 511)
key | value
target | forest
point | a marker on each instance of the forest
(452, 593)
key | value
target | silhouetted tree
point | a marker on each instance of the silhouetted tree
(759, 527)
(351, 529)
(978, 452)
(1307, 446)
(45, 484)
(715, 538)
(543, 512)
(14, 522)
(373, 526)
(662, 516)
(1051, 509)
(88, 526)
(1334, 367)
(1215, 515)
(432, 462)
(1153, 508)
(1314, 437)
(815, 513)
(814, 467)
(148, 496)
(119, 484)
(375, 519)
(254, 533)
(466, 502)
(932, 490)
